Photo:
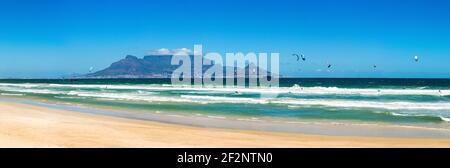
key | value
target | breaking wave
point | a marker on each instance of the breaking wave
(292, 90)
(183, 94)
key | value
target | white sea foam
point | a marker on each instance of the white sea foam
(27, 90)
(445, 119)
(370, 91)
(144, 93)
(399, 114)
(26, 85)
(11, 94)
(68, 97)
(128, 96)
(396, 105)
(292, 90)
(216, 117)
(220, 99)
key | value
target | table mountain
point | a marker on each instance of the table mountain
(151, 66)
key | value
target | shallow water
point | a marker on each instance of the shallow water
(396, 101)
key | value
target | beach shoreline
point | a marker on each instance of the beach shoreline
(25, 125)
(265, 124)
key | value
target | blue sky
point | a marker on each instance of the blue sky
(52, 38)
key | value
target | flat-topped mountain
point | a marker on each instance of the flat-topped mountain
(155, 66)
(151, 66)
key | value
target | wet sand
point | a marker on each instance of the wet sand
(24, 125)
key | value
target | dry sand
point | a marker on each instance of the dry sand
(31, 126)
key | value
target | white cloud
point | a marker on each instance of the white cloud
(165, 51)
(181, 51)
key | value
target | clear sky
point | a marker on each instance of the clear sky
(52, 38)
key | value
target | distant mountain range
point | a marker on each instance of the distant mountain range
(151, 66)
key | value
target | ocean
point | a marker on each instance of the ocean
(390, 101)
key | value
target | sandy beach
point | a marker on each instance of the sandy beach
(32, 126)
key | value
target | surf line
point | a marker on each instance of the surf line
(196, 158)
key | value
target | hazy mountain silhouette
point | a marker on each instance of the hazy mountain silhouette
(151, 66)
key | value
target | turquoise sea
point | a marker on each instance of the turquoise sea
(397, 101)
